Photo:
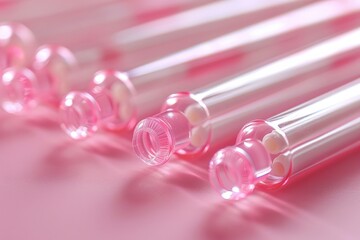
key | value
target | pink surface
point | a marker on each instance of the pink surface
(54, 188)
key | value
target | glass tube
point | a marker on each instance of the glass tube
(93, 22)
(54, 65)
(17, 45)
(162, 36)
(17, 41)
(269, 152)
(150, 82)
(198, 25)
(99, 18)
(43, 9)
(190, 121)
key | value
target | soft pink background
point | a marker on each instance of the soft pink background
(53, 188)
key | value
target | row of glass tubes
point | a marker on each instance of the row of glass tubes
(229, 61)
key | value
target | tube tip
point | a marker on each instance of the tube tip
(17, 43)
(17, 90)
(152, 141)
(231, 173)
(274, 142)
(53, 64)
(119, 101)
(80, 115)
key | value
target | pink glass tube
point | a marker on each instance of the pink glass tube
(98, 18)
(35, 9)
(191, 122)
(150, 83)
(142, 43)
(68, 22)
(53, 64)
(8, 4)
(17, 45)
(148, 41)
(44, 9)
(269, 152)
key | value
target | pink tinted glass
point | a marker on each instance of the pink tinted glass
(183, 67)
(290, 143)
(58, 68)
(216, 113)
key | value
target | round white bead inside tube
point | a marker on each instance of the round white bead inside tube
(280, 166)
(195, 114)
(198, 136)
(274, 142)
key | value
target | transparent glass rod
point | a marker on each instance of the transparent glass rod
(103, 20)
(116, 105)
(191, 121)
(269, 152)
(127, 9)
(145, 42)
(58, 69)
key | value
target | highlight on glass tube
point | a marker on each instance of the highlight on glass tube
(208, 21)
(99, 18)
(17, 44)
(107, 103)
(55, 65)
(24, 88)
(67, 19)
(269, 152)
(145, 42)
(42, 9)
(190, 121)
(180, 66)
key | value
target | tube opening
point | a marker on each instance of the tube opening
(152, 142)
(80, 115)
(18, 92)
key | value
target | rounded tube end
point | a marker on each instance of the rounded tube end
(117, 86)
(18, 91)
(52, 64)
(234, 171)
(80, 115)
(232, 174)
(17, 44)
